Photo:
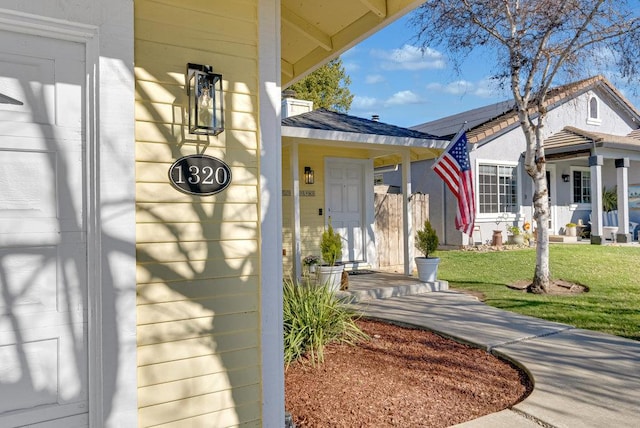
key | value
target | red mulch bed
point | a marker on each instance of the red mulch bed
(401, 377)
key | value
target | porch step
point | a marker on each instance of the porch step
(562, 238)
(356, 266)
(360, 295)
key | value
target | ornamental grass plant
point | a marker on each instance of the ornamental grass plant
(313, 317)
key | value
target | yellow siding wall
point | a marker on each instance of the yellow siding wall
(311, 223)
(198, 261)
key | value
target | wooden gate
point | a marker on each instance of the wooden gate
(388, 218)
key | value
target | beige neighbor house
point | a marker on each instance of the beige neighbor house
(591, 144)
(124, 301)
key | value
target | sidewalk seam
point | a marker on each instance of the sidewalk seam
(532, 418)
(524, 339)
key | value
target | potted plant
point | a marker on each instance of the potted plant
(427, 243)
(310, 262)
(330, 273)
(570, 229)
(496, 239)
(515, 236)
(609, 199)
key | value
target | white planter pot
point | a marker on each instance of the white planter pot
(516, 239)
(427, 268)
(331, 276)
(570, 231)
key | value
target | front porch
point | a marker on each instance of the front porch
(366, 285)
(599, 181)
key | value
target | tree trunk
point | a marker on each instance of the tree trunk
(535, 165)
(542, 273)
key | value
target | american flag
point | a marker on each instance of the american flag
(454, 168)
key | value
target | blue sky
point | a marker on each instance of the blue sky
(394, 79)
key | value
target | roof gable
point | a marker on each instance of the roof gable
(571, 137)
(491, 121)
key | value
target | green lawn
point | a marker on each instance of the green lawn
(612, 274)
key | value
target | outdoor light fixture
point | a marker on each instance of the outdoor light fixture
(308, 175)
(204, 88)
(565, 178)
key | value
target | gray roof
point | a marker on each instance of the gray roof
(488, 122)
(448, 126)
(331, 121)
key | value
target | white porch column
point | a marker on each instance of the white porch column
(295, 215)
(407, 213)
(595, 163)
(270, 209)
(622, 172)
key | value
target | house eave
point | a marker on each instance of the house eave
(361, 140)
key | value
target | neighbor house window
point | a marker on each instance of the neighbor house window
(594, 112)
(497, 189)
(582, 187)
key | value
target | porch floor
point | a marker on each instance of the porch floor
(370, 284)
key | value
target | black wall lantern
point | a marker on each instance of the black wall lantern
(308, 175)
(206, 115)
(565, 178)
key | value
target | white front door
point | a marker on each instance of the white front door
(344, 201)
(43, 240)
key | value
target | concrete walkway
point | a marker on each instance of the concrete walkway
(582, 378)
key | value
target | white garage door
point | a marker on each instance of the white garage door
(43, 249)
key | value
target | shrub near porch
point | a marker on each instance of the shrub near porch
(610, 272)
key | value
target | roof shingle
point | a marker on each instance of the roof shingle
(323, 119)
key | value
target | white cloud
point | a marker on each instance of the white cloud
(373, 79)
(491, 88)
(364, 103)
(409, 58)
(402, 98)
(485, 88)
(459, 87)
(350, 66)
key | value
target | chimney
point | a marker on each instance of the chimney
(288, 93)
(292, 106)
(375, 117)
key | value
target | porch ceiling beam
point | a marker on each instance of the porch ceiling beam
(307, 29)
(340, 42)
(286, 68)
(379, 7)
(326, 46)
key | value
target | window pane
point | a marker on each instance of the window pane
(593, 108)
(488, 198)
(586, 187)
(577, 184)
(498, 189)
(582, 187)
(508, 188)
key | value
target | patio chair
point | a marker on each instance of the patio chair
(610, 221)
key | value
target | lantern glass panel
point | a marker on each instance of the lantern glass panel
(205, 103)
